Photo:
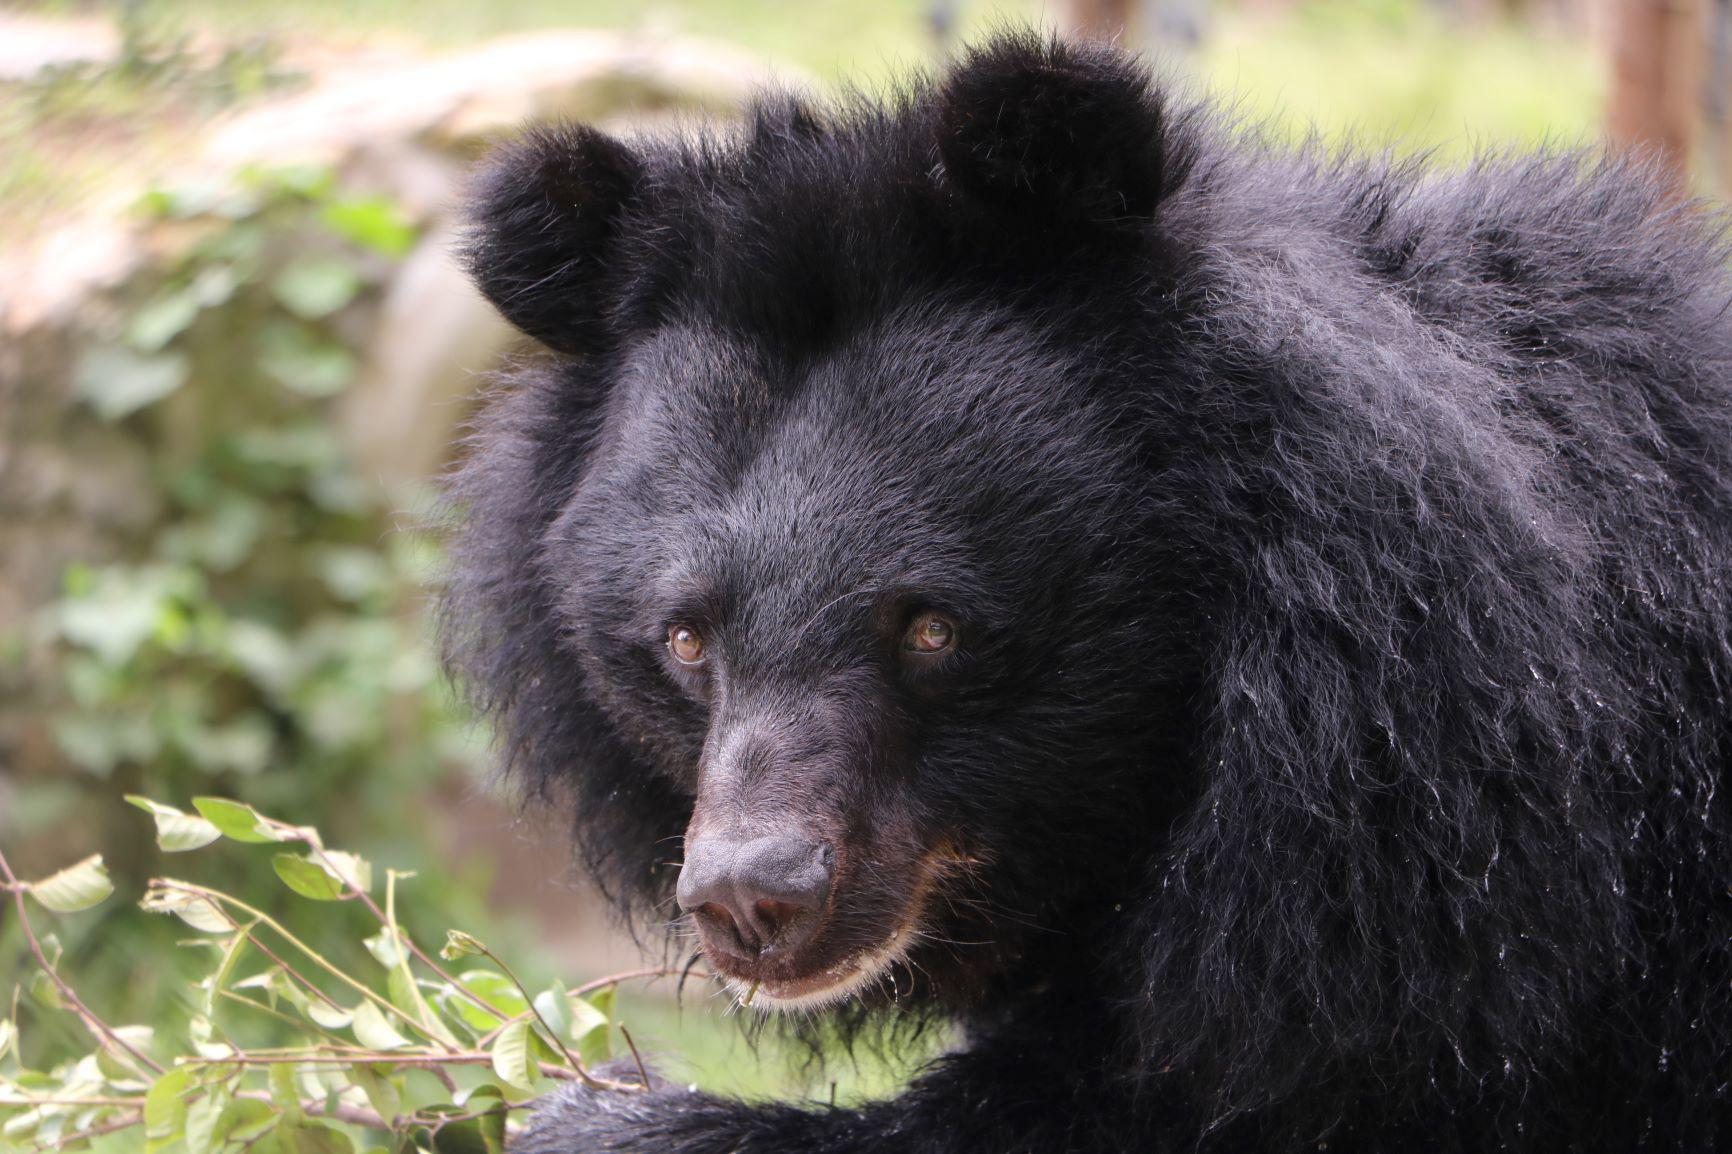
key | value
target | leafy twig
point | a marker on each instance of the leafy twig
(103, 1031)
(313, 955)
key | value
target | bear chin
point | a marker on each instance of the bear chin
(852, 978)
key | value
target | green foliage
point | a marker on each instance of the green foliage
(398, 1054)
(269, 616)
(261, 624)
(154, 65)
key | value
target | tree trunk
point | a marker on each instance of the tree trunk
(1659, 48)
(1717, 94)
(1099, 19)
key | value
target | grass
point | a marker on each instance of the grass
(1394, 75)
(701, 1040)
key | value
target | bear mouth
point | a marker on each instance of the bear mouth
(829, 986)
(784, 988)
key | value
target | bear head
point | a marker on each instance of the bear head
(821, 562)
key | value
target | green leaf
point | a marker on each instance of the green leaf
(195, 909)
(118, 382)
(8, 1036)
(23, 1124)
(603, 1000)
(554, 1007)
(307, 878)
(312, 1138)
(493, 988)
(120, 608)
(247, 1120)
(406, 996)
(202, 1117)
(374, 1031)
(46, 991)
(309, 180)
(465, 1095)
(513, 1058)
(239, 822)
(351, 870)
(203, 1033)
(314, 287)
(589, 1031)
(386, 947)
(371, 222)
(219, 541)
(329, 1016)
(115, 1069)
(586, 1016)
(218, 978)
(176, 832)
(165, 1104)
(304, 361)
(214, 285)
(492, 1128)
(75, 888)
(381, 1091)
(161, 320)
(284, 1093)
(267, 658)
(461, 945)
(243, 745)
(355, 574)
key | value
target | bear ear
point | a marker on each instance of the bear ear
(1052, 130)
(541, 212)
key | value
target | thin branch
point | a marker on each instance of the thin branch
(378, 1057)
(390, 924)
(51, 1100)
(319, 1107)
(636, 1057)
(291, 973)
(94, 1024)
(312, 954)
(125, 1122)
(298, 1023)
(628, 976)
(576, 1063)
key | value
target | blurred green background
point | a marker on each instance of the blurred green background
(235, 356)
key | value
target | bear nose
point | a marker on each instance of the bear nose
(748, 895)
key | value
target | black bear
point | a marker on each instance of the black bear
(1243, 631)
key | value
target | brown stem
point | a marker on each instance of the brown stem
(124, 1122)
(381, 1057)
(581, 991)
(94, 1024)
(291, 973)
(635, 1056)
(34, 1100)
(572, 1060)
(353, 1115)
(628, 976)
(373, 908)
(296, 1022)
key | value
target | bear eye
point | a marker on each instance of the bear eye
(930, 633)
(686, 644)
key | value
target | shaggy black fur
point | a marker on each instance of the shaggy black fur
(1340, 556)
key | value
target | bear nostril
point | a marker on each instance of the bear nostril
(748, 896)
(718, 913)
(719, 920)
(774, 916)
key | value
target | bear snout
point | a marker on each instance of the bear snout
(750, 896)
